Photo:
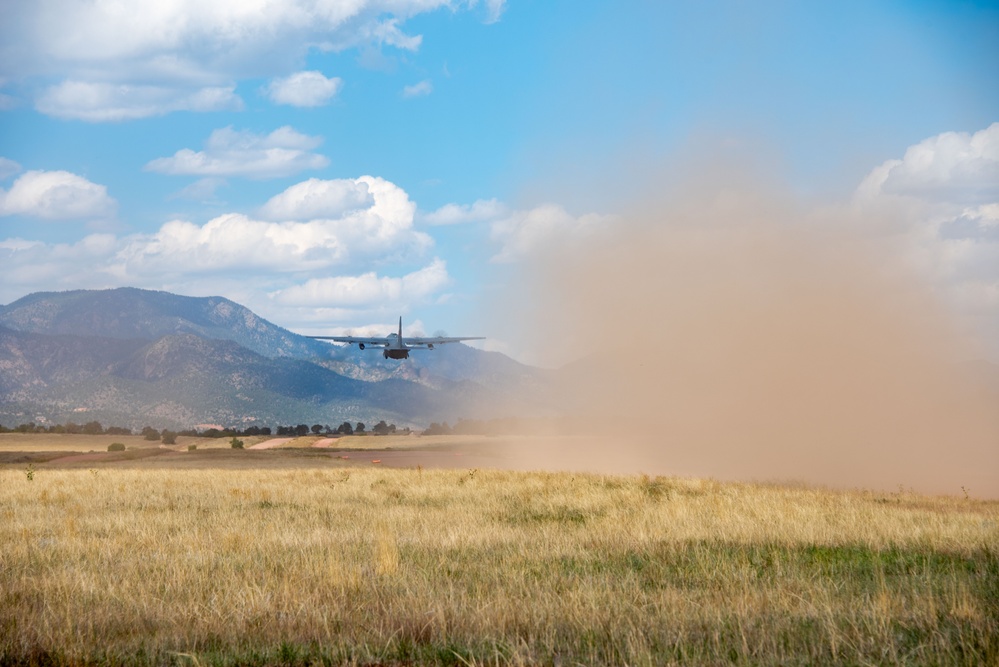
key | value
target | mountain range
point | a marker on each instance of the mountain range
(131, 357)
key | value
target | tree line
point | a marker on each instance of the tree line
(498, 426)
(150, 433)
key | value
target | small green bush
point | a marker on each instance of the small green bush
(116, 447)
(236, 443)
(191, 448)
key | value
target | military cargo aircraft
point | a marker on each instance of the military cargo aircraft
(394, 346)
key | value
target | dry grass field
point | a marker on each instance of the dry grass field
(367, 442)
(358, 564)
(65, 442)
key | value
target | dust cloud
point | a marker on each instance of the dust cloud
(729, 334)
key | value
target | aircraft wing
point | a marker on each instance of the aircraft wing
(373, 342)
(438, 340)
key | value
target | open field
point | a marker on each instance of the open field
(66, 442)
(50, 451)
(340, 561)
(367, 442)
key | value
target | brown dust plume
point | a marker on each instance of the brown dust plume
(726, 334)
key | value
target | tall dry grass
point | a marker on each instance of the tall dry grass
(370, 566)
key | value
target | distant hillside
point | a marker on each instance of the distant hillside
(133, 357)
(128, 312)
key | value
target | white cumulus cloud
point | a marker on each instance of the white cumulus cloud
(370, 214)
(56, 195)
(382, 230)
(231, 241)
(228, 152)
(368, 288)
(304, 89)
(957, 167)
(315, 198)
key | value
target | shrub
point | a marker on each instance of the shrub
(116, 447)
(191, 448)
(168, 437)
(236, 443)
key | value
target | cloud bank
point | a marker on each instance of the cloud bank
(379, 227)
(941, 198)
(337, 244)
(541, 230)
(115, 61)
(453, 214)
(955, 167)
(368, 288)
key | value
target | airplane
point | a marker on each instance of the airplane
(394, 346)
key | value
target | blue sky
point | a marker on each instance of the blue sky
(334, 164)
